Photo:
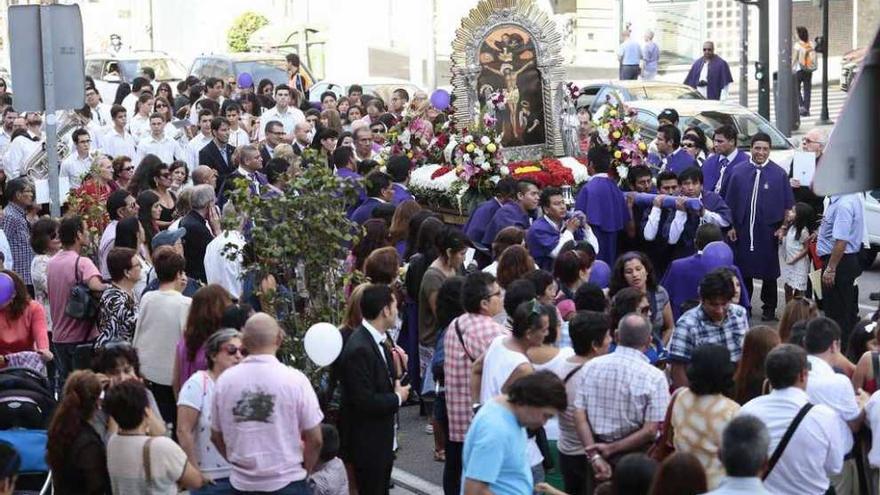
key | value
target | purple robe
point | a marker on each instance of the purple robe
(712, 170)
(347, 173)
(401, 194)
(509, 215)
(542, 239)
(680, 160)
(717, 77)
(475, 228)
(364, 212)
(756, 248)
(712, 202)
(682, 282)
(603, 203)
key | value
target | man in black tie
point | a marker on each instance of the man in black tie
(218, 153)
(250, 162)
(371, 392)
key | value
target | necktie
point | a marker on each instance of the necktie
(724, 163)
(386, 351)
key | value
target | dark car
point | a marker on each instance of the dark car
(600, 91)
(226, 66)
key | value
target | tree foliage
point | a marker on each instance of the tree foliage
(301, 238)
(242, 28)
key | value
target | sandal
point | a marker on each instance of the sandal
(440, 455)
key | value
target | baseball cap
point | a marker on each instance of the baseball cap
(669, 114)
(167, 237)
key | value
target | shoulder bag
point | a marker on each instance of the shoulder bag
(663, 446)
(81, 304)
(777, 452)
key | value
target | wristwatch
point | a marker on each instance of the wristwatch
(475, 407)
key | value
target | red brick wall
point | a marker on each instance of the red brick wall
(840, 29)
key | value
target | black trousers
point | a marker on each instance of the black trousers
(805, 89)
(577, 474)
(372, 481)
(840, 301)
(629, 72)
(769, 296)
(164, 396)
(452, 468)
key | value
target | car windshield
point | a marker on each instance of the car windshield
(166, 68)
(273, 70)
(668, 93)
(748, 124)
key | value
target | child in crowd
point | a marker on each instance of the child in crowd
(794, 260)
(329, 477)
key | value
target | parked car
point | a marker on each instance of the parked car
(109, 69)
(872, 222)
(711, 114)
(260, 65)
(849, 66)
(373, 86)
(600, 90)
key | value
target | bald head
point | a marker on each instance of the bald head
(204, 174)
(634, 330)
(262, 335)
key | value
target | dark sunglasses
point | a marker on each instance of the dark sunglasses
(126, 169)
(689, 145)
(233, 349)
(161, 105)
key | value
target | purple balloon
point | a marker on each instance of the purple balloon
(245, 80)
(7, 289)
(600, 274)
(716, 255)
(440, 99)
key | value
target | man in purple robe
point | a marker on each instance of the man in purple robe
(710, 74)
(379, 191)
(674, 157)
(759, 196)
(475, 228)
(718, 167)
(682, 280)
(549, 233)
(640, 181)
(683, 226)
(656, 227)
(345, 163)
(603, 203)
(399, 168)
(515, 213)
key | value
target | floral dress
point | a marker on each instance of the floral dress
(118, 317)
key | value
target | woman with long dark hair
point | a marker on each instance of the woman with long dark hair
(144, 173)
(749, 376)
(130, 234)
(634, 269)
(75, 452)
(149, 211)
(399, 230)
(118, 307)
(122, 90)
(23, 325)
(205, 314)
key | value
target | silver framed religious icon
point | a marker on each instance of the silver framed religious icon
(507, 61)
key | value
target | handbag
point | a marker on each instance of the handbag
(81, 305)
(663, 446)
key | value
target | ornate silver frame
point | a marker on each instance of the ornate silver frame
(475, 27)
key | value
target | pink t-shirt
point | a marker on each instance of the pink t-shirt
(262, 407)
(60, 277)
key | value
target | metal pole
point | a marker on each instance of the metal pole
(152, 37)
(824, 119)
(431, 63)
(785, 81)
(764, 57)
(49, 92)
(744, 56)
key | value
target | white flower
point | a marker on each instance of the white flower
(468, 139)
(578, 170)
(498, 139)
(622, 171)
(603, 135)
(480, 160)
(485, 140)
(486, 167)
(449, 149)
(504, 170)
(404, 137)
(382, 169)
(407, 146)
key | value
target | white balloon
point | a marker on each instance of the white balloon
(323, 343)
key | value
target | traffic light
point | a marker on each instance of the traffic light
(760, 71)
(820, 45)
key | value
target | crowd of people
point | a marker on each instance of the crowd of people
(603, 345)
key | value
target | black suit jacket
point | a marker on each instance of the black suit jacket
(368, 402)
(264, 153)
(210, 156)
(196, 240)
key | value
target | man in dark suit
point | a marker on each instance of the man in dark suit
(250, 162)
(218, 153)
(379, 190)
(200, 224)
(274, 135)
(371, 392)
(301, 139)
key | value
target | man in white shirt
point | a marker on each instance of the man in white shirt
(288, 116)
(219, 269)
(21, 148)
(117, 141)
(79, 162)
(100, 111)
(743, 452)
(157, 143)
(201, 139)
(213, 91)
(825, 386)
(816, 448)
(9, 116)
(237, 135)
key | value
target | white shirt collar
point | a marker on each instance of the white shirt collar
(819, 366)
(732, 155)
(794, 394)
(242, 171)
(761, 165)
(378, 336)
(602, 174)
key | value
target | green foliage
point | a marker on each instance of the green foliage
(242, 28)
(301, 238)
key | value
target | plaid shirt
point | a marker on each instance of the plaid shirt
(18, 232)
(694, 329)
(477, 331)
(621, 392)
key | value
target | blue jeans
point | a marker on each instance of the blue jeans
(296, 488)
(219, 487)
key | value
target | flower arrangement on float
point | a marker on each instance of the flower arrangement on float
(617, 129)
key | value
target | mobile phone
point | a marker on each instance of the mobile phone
(404, 379)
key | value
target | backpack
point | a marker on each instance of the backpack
(809, 63)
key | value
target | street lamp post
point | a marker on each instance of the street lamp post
(823, 117)
(763, 64)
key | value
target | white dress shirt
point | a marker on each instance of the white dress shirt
(289, 118)
(116, 144)
(872, 416)
(219, 269)
(101, 115)
(824, 386)
(815, 451)
(129, 102)
(139, 127)
(680, 219)
(108, 239)
(17, 153)
(5, 139)
(653, 224)
(740, 486)
(238, 137)
(6, 250)
(165, 148)
(74, 168)
(195, 145)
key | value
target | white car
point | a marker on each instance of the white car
(872, 222)
(711, 114)
(109, 69)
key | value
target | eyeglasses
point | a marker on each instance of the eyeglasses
(161, 105)
(490, 296)
(233, 349)
(688, 145)
(127, 169)
(807, 140)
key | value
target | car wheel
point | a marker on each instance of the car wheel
(867, 257)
